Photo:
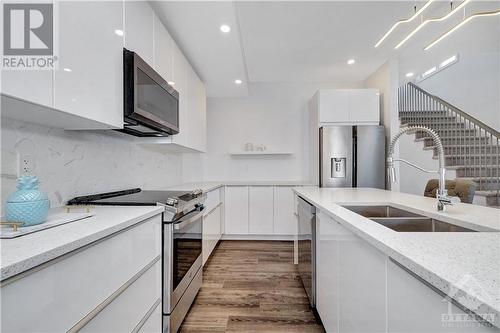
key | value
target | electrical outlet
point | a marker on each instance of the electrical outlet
(25, 165)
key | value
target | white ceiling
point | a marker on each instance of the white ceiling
(293, 41)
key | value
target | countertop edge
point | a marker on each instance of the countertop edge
(208, 186)
(42, 258)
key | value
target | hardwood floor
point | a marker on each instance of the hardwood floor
(251, 286)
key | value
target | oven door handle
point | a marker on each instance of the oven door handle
(182, 224)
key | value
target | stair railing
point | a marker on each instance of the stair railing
(468, 142)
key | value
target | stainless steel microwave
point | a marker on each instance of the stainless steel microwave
(150, 104)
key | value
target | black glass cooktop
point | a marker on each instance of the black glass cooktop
(132, 197)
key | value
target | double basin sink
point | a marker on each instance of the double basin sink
(404, 221)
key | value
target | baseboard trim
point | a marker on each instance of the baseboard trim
(259, 237)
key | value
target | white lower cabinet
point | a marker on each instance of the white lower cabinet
(130, 307)
(214, 198)
(79, 287)
(236, 210)
(256, 210)
(360, 289)
(284, 218)
(414, 307)
(152, 324)
(211, 231)
(351, 280)
(261, 201)
(328, 236)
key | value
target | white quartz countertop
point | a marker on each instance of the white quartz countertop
(28, 251)
(465, 265)
(212, 185)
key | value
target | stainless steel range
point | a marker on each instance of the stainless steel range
(182, 241)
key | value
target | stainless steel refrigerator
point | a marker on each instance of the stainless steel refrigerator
(352, 156)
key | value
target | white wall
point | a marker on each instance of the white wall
(472, 84)
(273, 114)
(73, 163)
(386, 80)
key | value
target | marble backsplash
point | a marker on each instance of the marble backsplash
(73, 163)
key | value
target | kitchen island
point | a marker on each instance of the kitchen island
(361, 263)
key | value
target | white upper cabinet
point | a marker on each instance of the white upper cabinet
(196, 107)
(260, 210)
(88, 81)
(139, 27)
(173, 66)
(333, 106)
(85, 90)
(179, 77)
(31, 85)
(201, 99)
(163, 50)
(347, 106)
(364, 105)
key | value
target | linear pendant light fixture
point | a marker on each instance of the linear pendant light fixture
(458, 26)
(420, 11)
(443, 18)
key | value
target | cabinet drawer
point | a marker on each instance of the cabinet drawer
(414, 307)
(153, 323)
(213, 199)
(211, 232)
(125, 312)
(56, 297)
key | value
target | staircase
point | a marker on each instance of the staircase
(471, 147)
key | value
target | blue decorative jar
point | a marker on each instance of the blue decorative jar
(27, 205)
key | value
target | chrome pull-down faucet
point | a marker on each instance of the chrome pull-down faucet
(442, 194)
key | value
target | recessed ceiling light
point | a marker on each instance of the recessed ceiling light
(351, 61)
(172, 83)
(119, 32)
(225, 28)
(237, 81)
(67, 69)
(409, 74)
